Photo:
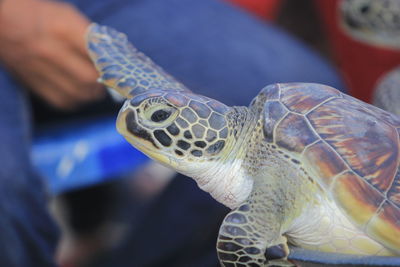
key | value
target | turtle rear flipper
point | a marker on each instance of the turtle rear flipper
(122, 67)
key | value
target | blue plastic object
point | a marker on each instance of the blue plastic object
(82, 154)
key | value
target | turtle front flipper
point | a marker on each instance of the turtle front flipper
(248, 239)
(122, 67)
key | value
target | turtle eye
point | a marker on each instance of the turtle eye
(160, 115)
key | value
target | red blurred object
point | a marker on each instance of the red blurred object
(361, 63)
(266, 9)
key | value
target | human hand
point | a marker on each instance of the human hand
(42, 42)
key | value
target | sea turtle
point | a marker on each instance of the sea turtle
(372, 22)
(304, 163)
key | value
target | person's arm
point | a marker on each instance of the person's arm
(42, 43)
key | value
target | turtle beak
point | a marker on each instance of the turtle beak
(129, 127)
(139, 137)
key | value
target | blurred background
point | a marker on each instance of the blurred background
(113, 206)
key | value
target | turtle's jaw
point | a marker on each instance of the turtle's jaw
(155, 155)
(139, 137)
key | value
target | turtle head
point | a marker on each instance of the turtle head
(176, 128)
(193, 134)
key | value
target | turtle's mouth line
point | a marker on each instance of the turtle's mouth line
(155, 155)
(138, 137)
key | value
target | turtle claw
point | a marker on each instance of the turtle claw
(277, 255)
(277, 252)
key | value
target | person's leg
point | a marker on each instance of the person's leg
(215, 49)
(27, 234)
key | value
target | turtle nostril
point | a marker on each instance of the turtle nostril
(160, 115)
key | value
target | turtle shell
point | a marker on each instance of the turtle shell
(350, 147)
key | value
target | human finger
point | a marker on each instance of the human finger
(46, 90)
(69, 71)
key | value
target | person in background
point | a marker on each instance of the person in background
(210, 46)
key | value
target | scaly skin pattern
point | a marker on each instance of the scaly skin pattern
(122, 67)
(303, 164)
(372, 22)
(178, 128)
